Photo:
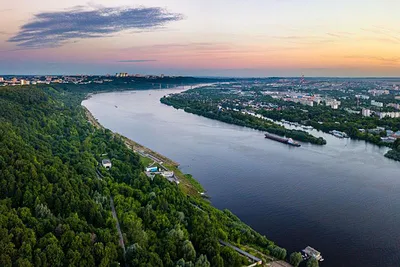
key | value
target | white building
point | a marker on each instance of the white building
(366, 112)
(382, 115)
(379, 92)
(1, 79)
(106, 163)
(24, 82)
(167, 174)
(333, 103)
(376, 104)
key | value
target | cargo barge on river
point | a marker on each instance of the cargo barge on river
(288, 141)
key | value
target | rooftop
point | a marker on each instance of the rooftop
(106, 161)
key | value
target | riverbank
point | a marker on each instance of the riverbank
(192, 192)
(187, 183)
(238, 118)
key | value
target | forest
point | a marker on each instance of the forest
(55, 197)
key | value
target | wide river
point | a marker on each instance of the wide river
(343, 199)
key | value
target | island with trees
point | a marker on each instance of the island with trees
(353, 107)
(213, 103)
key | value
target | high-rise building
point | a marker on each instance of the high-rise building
(366, 112)
(1, 79)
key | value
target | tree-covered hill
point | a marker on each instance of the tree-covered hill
(55, 199)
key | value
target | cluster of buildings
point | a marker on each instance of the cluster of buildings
(390, 137)
(125, 74)
(151, 171)
(366, 112)
(33, 80)
(75, 79)
(310, 100)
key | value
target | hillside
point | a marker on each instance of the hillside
(55, 198)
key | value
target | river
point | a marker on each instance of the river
(343, 199)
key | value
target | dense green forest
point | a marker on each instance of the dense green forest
(55, 199)
(395, 152)
(209, 109)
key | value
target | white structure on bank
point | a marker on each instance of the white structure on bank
(106, 163)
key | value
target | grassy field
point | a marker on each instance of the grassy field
(146, 161)
(187, 183)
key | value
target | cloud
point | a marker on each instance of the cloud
(53, 29)
(136, 60)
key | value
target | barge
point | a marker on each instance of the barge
(288, 141)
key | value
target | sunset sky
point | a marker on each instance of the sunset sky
(201, 38)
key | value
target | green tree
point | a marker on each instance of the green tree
(295, 259)
(217, 261)
(202, 261)
(189, 253)
(312, 262)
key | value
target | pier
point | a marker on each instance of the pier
(311, 252)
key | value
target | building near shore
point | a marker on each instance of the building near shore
(152, 169)
(167, 174)
(313, 253)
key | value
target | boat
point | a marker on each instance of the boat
(116, 106)
(339, 134)
(288, 141)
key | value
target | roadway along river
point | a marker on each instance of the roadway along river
(342, 199)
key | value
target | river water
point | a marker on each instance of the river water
(342, 199)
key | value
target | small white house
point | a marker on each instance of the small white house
(168, 174)
(106, 163)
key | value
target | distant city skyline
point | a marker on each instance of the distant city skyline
(343, 38)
